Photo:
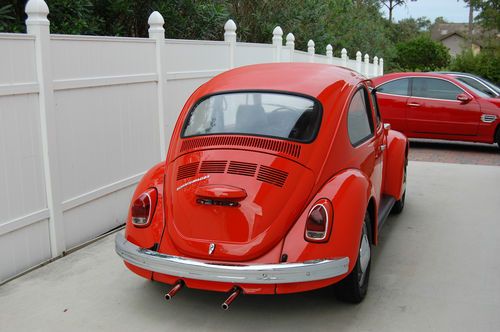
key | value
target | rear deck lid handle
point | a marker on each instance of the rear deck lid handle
(220, 191)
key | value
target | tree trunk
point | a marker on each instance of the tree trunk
(471, 21)
(390, 11)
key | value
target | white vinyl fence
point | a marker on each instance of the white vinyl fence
(83, 117)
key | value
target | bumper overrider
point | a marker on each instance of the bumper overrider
(243, 274)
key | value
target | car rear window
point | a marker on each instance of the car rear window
(476, 86)
(272, 114)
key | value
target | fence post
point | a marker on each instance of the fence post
(157, 32)
(38, 25)
(230, 37)
(277, 43)
(329, 54)
(375, 66)
(311, 50)
(381, 67)
(343, 55)
(290, 43)
(358, 62)
(366, 70)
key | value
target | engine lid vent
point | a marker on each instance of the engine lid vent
(187, 171)
(289, 148)
(213, 166)
(272, 175)
(241, 168)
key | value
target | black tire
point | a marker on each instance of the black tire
(497, 136)
(400, 204)
(353, 288)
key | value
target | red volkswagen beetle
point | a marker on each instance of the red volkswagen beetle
(438, 106)
(278, 180)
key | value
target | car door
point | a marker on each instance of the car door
(366, 137)
(433, 109)
(392, 100)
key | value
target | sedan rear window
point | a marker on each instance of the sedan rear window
(271, 114)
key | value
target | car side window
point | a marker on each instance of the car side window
(359, 118)
(435, 88)
(396, 87)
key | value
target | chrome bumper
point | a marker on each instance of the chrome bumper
(243, 274)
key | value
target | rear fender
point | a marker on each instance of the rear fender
(395, 159)
(349, 192)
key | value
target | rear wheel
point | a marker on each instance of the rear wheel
(399, 205)
(353, 288)
(497, 137)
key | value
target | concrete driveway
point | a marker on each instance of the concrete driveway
(437, 269)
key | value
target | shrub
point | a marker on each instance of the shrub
(486, 64)
(422, 54)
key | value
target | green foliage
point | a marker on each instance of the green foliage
(489, 17)
(422, 53)
(72, 17)
(8, 19)
(486, 64)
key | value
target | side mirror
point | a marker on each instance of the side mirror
(464, 98)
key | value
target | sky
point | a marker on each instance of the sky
(451, 10)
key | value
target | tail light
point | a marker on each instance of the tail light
(144, 207)
(319, 221)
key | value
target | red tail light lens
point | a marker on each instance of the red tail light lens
(319, 221)
(144, 207)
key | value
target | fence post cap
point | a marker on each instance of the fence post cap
(278, 32)
(290, 37)
(343, 52)
(230, 26)
(358, 54)
(310, 43)
(367, 57)
(375, 58)
(381, 60)
(329, 47)
(155, 19)
(37, 7)
(37, 11)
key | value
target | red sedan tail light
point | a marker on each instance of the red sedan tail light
(144, 207)
(319, 221)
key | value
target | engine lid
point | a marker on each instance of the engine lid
(233, 205)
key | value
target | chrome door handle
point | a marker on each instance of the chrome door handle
(414, 104)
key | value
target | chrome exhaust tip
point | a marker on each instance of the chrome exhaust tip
(177, 287)
(235, 292)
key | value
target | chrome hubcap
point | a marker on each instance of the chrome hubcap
(364, 255)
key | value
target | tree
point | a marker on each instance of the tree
(489, 16)
(486, 64)
(422, 53)
(391, 4)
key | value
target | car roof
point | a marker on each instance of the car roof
(302, 78)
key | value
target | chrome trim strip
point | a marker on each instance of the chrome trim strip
(243, 274)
